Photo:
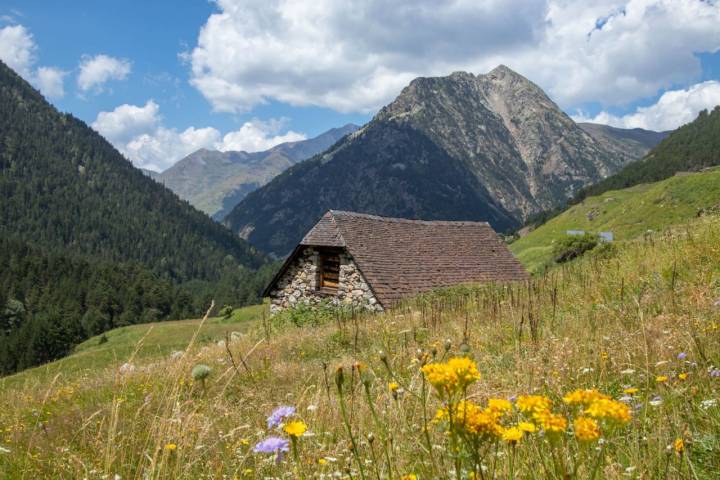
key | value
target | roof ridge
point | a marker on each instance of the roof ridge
(369, 216)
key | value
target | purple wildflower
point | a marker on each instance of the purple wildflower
(682, 356)
(715, 373)
(274, 445)
(512, 398)
(278, 415)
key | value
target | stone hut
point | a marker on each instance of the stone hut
(371, 262)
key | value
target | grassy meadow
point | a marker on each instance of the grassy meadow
(628, 213)
(607, 367)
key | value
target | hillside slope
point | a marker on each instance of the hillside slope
(629, 141)
(691, 147)
(626, 213)
(214, 181)
(488, 147)
(640, 329)
(63, 186)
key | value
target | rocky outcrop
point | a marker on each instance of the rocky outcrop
(489, 147)
(299, 285)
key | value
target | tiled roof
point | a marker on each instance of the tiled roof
(400, 258)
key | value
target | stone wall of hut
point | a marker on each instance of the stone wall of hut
(299, 285)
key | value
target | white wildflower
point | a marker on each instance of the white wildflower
(127, 368)
(705, 404)
(628, 371)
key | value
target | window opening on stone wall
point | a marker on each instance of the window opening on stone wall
(329, 271)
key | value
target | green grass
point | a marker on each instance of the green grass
(614, 324)
(627, 213)
(147, 342)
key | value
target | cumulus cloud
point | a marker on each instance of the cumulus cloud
(257, 135)
(51, 81)
(138, 132)
(98, 70)
(357, 55)
(19, 51)
(673, 109)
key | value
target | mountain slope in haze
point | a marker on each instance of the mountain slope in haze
(215, 181)
(627, 213)
(63, 186)
(633, 141)
(692, 147)
(463, 147)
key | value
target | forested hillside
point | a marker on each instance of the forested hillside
(89, 243)
(63, 185)
(691, 147)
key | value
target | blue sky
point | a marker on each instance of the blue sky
(160, 79)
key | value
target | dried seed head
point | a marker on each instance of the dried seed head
(448, 344)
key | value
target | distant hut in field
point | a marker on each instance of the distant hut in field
(372, 262)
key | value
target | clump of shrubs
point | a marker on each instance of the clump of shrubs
(574, 246)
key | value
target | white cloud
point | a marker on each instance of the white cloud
(256, 135)
(19, 51)
(673, 109)
(138, 132)
(357, 55)
(51, 81)
(98, 70)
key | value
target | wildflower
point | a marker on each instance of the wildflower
(322, 461)
(583, 397)
(551, 422)
(452, 376)
(683, 376)
(679, 446)
(393, 387)
(715, 373)
(469, 417)
(295, 428)
(409, 476)
(630, 390)
(609, 409)
(527, 427)
(656, 401)
(627, 371)
(275, 445)
(499, 405)
(533, 403)
(277, 416)
(586, 429)
(512, 435)
(705, 404)
(170, 447)
(682, 356)
(661, 378)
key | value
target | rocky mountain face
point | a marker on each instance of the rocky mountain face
(215, 181)
(633, 142)
(463, 147)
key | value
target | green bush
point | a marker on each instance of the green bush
(574, 246)
(308, 315)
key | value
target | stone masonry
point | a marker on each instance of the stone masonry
(299, 285)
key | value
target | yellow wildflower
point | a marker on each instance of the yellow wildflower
(512, 435)
(469, 417)
(551, 422)
(409, 476)
(661, 378)
(679, 445)
(452, 376)
(322, 461)
(609, 409)
(583, 397)
(533, 403)
(527, 427)
(170, 447)
(683, 376)
(393, 387)
(499, 405)
(295, 428)
(631, 391)
(586, 429)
